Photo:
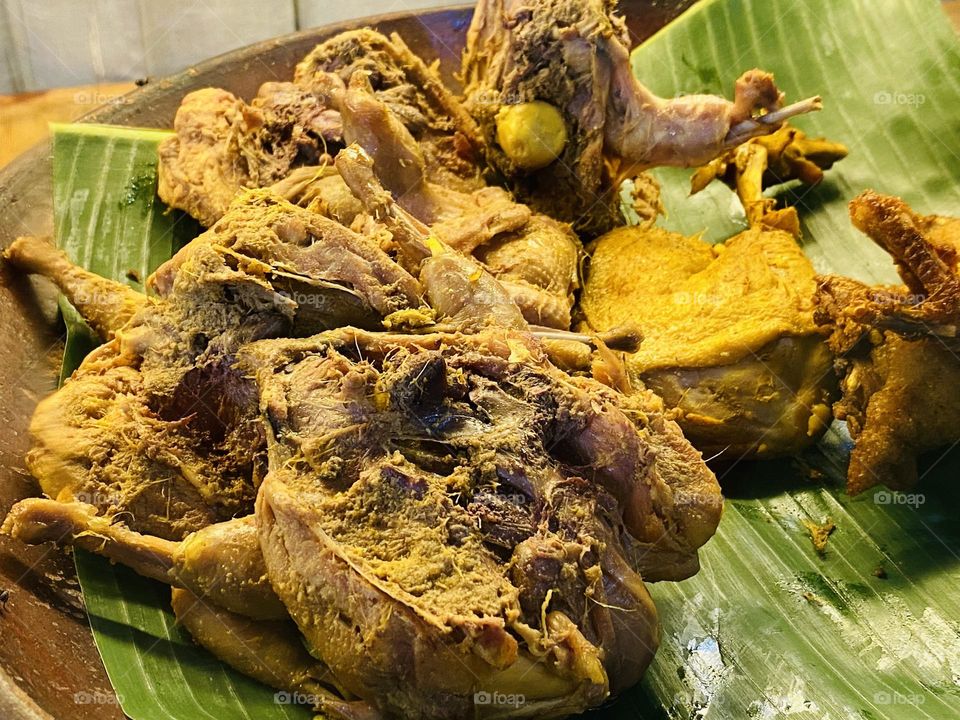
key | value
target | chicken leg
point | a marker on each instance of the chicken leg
(106, 305)
(221, 563)
(567, 62)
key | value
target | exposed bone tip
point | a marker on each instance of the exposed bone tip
(771, 121)
(39, 520)
(624, 339)
(23, 247)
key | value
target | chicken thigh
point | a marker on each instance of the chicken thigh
(158, 423)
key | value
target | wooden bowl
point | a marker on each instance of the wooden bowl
(47, 654)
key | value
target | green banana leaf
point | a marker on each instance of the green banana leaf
(769, 628)
(108, 219)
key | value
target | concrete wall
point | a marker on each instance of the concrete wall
(56, 43)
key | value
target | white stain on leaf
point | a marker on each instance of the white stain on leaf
(704, 671)
(778, 703)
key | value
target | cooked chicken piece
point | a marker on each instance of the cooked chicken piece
(446, 134)
(470, 219)
(223, 144)
(767, 161)
(158, 423)
(534, 256)
(230, 607)
(524, 507)
(729, 337)
(221, 563)
(105, 305)
(521, 505)
(463, 293)
(288, 126)
(926, 251)
(320, 189)
(897, 345)
(604, 444)
(325, 268)
(538, 266)
(564, 120)
(201, 168)
(897, 407)
(270, 651)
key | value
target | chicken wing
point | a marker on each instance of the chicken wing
(897, 346)
(563, 66)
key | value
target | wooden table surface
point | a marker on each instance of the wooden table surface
(24, 117)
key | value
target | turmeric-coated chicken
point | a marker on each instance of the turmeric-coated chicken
(157, 422)
(897, 345)
(444, 515)
(564, 119)
(729, 337)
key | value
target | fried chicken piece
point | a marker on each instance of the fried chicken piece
(897, 345)
(898, 404)
(463, 220)
(763, 162)
(443, 513)
(926, 251)
(223, 144)
(481, 585)
(201, 168)
(566, 64)
(271, 651)
(729, 338)
(106, 305)
(446, 134)
(534, 256)
(221, 563)
(158, 423)
(221, 593)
